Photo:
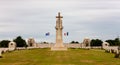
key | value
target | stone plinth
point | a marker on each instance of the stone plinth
(58, 48)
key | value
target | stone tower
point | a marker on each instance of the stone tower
(59, 41)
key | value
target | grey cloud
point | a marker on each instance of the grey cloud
(82, 18)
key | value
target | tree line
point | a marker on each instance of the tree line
(98, 42)
(20, 42)
(94, 42)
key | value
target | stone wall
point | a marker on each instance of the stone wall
(4, 49)
(96, 47)
(42, 45)
(74, 45)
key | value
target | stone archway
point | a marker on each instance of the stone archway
(86, 42)
(31, 42)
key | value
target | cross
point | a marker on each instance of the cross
(59, 17)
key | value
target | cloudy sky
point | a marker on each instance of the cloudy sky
(81, 18)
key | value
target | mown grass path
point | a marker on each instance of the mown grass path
(70, 57)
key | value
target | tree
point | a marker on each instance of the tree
(117, 42)
(74, 42)
(4, 43)
(96, 42)
(20, 42)
(111, 42)
(114, 42)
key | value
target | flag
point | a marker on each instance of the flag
(66, 34)
(47, 34)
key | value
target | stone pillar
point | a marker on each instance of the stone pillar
(59, 27)
(59, 40)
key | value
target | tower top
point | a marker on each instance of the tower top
(59, 16)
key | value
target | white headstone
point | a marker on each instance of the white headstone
(12, 46)
(105, 45)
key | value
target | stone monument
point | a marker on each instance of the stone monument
(12, 46)
(86, 42)
(59, 41)
(31, 42)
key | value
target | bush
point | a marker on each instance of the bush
(96, 42)
(74, 42)
(20, 42)
(4, 43)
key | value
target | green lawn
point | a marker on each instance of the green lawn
(70, 57)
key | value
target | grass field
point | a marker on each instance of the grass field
(70, 57)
